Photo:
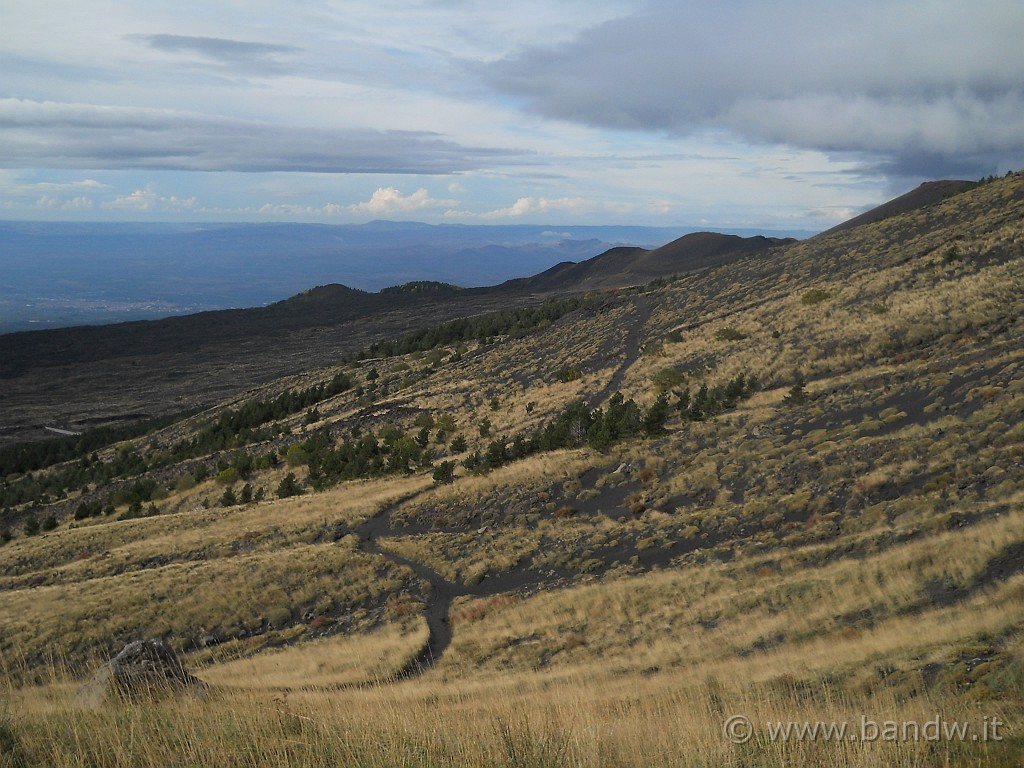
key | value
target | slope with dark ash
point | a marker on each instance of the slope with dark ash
(929, 193)
(621, 267)
(93, 375)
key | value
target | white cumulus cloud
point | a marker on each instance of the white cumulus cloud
(389, 200)
(528, 206)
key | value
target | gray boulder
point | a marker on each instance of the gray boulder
(143, 669)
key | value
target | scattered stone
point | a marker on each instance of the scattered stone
(143, 669)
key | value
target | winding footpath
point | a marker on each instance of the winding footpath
(632, 345)
(374, 530)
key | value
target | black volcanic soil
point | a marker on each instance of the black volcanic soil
(929, 193)
(76, 378)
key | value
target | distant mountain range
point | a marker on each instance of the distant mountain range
(132, 370)
(65, 274)
(85, 376)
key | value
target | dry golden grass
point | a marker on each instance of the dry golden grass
(327, 663)
(854, 554)
(638, 681)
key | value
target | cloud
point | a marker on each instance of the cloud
(528, 206)
(37, 134)
(69, 186)
(327, 210)
(388, 200)
(78, 203)
(237, 55)
(933, 82)
(147, 200)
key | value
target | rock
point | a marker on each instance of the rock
(143, 669)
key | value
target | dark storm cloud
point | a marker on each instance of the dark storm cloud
(935, 82)
(52, 135)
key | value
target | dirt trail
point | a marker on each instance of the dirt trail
(373, 531)
(631, 345)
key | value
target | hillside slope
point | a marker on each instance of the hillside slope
(83, 377)
(787, 487)
(625, 267)
(929, 193)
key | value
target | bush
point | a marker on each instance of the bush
(729, 334)
(797, 393)
(227, 476)
(668, 378)
(296, 456)
(815, 296)
(289, 486)
(444, 473)
(185, 483)
(570, 373)
(49, 523)
(459, 444)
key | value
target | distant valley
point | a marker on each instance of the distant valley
(100, 375)
(66, 274)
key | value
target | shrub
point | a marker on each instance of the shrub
(227, 476)
(31, 526)
(459, 444)
(289, 486)
(729, 334)
(296, 456)
(815, 296)
(444, 473)
(797, 393)
(570, 373)
(668, 378)
(185, 483)
(655, 348)
(49, 523)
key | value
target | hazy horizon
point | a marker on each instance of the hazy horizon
(61, 274)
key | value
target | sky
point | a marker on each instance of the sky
(785, 115)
